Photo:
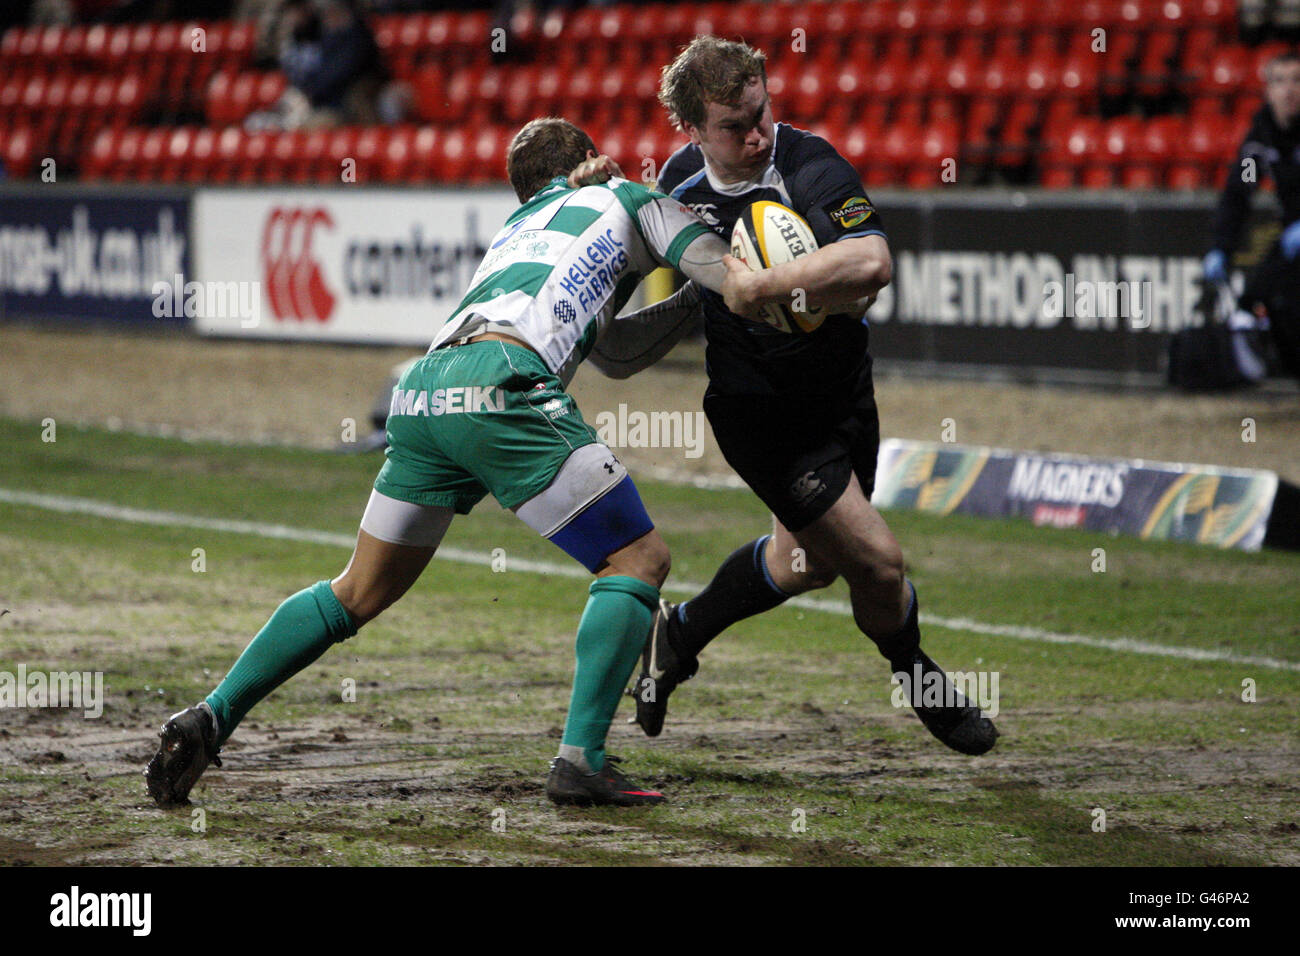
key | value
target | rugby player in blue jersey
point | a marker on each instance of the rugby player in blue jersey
(794, 414)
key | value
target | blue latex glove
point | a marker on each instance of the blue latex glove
(1215, 266)
(1291, 240)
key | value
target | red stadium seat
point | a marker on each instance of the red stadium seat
(1227, 71)
(517, 98)
(17, 152)
(371, 144)
(1139, 176)
(251, 161)
(452, 160)
(424, 149)
(1187, 176)
(1212, 12)
(312, 162)
(340, 147)
(197, 166)
(177, 147)
(218, 106)
(876, 19)
(103, 151)
(1209, 139)
(940, 144)
(1120, 138)
(1042, 75)
(1069, 149)
(1162, 139)
(270, 87)
(230, 146)
(961, 75)
(394, 164)
(981, 16)
(1003, 76)
(283, 155)
(1057, 177)
(1080, 76)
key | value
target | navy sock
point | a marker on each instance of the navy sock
(741, 588)
(900, 648)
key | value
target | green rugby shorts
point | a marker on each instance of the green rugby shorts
(484, 417)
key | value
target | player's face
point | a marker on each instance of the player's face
(1282, 91)
(737, 140)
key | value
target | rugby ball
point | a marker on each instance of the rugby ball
(768, 234)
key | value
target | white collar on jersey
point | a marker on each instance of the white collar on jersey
(769, 178)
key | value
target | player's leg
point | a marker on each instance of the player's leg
(540, 459)
(415, 495)
(309, 622)
(303, 627)
(857, 542)
(778, 448)
(593, 512)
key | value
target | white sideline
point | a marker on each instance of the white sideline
(103, 509)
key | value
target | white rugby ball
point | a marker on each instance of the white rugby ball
(768, 234)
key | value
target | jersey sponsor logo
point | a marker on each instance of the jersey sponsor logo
(447, 401)
(806, 488)
(564, 311)
(295, 286)
(555, 408)
(506, 236)
(852, 212)
(704, 211)
(596, 271)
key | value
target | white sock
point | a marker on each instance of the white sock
(576, 756)
(216, 724)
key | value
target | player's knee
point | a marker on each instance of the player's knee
(647, 560)
(656, 563)
(363, 604)
(881, 572)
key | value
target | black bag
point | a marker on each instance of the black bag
(1214, 355)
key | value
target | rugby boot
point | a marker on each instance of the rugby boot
(662, 669)
(609, 786)
(188, 744)
(958, 724)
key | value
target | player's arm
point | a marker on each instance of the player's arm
(841, 276)
(676, 237)
(634, 342)
(1234, 205)
(852, 262)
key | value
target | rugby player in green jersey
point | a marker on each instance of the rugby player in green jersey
(486, 411)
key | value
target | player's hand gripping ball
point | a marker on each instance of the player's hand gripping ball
(768, 234)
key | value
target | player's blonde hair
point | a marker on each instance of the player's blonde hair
(545, 148)
(708, 70)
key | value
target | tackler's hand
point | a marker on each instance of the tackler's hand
(740, 289)
(594, 170)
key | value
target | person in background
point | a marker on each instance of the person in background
(1271, 148)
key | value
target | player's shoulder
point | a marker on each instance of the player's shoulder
(797, 147)
(687, 161)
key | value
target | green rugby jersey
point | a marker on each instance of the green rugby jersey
(566, 262)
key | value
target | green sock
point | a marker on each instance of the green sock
(300, 630)
(611, 636)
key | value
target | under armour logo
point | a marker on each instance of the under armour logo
(609, 466)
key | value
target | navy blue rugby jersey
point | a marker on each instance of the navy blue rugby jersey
(809, 176)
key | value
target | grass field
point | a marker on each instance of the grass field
(462, 689)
